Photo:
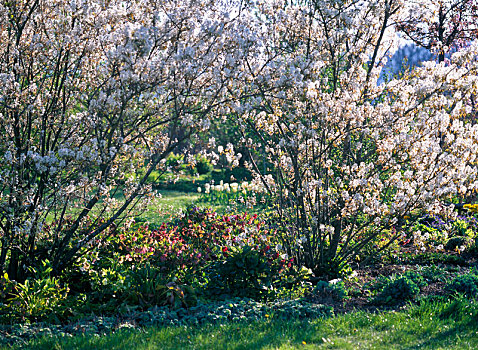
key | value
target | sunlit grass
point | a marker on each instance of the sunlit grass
(168, 205)
(172, 203)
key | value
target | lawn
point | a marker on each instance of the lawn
(169, 205)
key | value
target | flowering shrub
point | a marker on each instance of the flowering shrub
(233, 255)
(112, 101)
(352, 155)
(185, 244)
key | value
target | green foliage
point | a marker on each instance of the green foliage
(107, 280)
(395, 289)
(434, 324)
(146, 286)
(465, 284)
(236, 174)
(40, 297)
(398, 290)
(455, 243)
(186, 244)
(433, 232)
(462, 228)
(416, 277)
(216, 313)
(159, 265)
(7, 287)
(176, 162)
(428, 258)
(246, 272)
(434, 273)
(203, 165)
(115, 285)
(379, 249)
(336, 290)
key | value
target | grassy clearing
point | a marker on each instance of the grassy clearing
(432, 325)
(172, 202)
(163, 209)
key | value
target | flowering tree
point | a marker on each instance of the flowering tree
(91, 90)
(353, 157)
(440, 26)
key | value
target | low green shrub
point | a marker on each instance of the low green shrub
(203, 165)
(416, 277)
(465, 284)
(457, 242)
(177, 162)
(397, 290)
(336, 290)
(247, 271)
(434, 273)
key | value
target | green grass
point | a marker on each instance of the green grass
(169, 205)
(172, 202)
(433, 325)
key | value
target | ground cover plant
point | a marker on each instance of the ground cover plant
(195, 165)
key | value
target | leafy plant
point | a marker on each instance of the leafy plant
(336, 290)
(416, 278)
(395, 289)
(246, 272)
(203, 165)
(398, 290)
(459, 243)
(146, 286)
(40, 297)
(434, 273)
(465, 284)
